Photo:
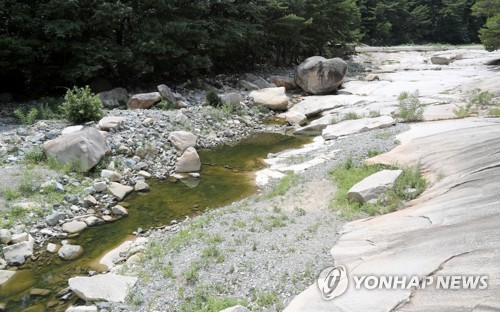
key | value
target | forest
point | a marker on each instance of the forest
(49, 44)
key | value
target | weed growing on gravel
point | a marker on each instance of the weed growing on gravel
(463, 111)
(269, 300)
(495, 112)
(168, 271)
(385, 135)
(208, 299)
(409, 185)
(285, 184)
(191, 273)
(299, 211)
(21, 215)
(212, 253)
(35, 156)
(373, 153)
(26, 118)
(351, 116)
(374, 113)
(410, 107)
(10, 193)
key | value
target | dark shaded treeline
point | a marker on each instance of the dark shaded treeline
(49, 44)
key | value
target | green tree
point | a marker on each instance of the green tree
(490, 33)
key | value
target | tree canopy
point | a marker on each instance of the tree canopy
(48, 44)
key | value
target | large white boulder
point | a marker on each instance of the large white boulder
(144, 100)
(318, 75)
(82, 149)
(272, 98)
(356, 126)
(188, 162)
(70, 252)
(374, 186)
(16, 254)
(102, 287)
(181, 140)
(74, 226)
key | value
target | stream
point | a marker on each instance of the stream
(227, 176)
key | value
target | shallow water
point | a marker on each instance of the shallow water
(227, 176)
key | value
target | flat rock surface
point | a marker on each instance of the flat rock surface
(451, 229)
(347, 127)
(102, 287)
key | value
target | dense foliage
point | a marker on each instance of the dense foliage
(48, 45)
(81, 105)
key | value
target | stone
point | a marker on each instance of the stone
(74, 226)
(119, 210)
(295, 118)
(247, 85)
(188, 162)
(111, 175)
(144, 174)
(316, 126)
(148, 122)
(70, 252)
(114, 97)
(18, 238)
(182, 140)
(262, 83)
(90, 200)
(347, 127)
(93, 220)
(39, 292)
(440, 60)
(100, 186)
(83, 149)
(16, 254)
(272, 98)
(182, 104)
(238, 308)
(232, 99)
(372, 77)
(373, 187)
(5, 276)
(143, 100)
(286, 82)
(111, 122)
(118, 190)
(71, 129)
(91, 308)
(55, 217)
(52, 248)
(5, 236)
(318, 75)
(167, 94)
(102, 287)
(141, 186)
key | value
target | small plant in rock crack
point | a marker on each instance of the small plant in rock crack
(463, 111)
(351, 116)
(410, 108)
(481, 98)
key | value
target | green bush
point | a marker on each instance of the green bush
(81, 105)
(213, 98)
(165, 105)
(410, 107)
(26, 118)
(481, 98)
(35, 156)
(463, 111)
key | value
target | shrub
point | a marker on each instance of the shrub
(463, 111)
(481, 98)
(81, 105)
(26, 118)
(35, 156)
(165, 105)
(495, 112)
(213, 98)
(410, 107)
(351, 116)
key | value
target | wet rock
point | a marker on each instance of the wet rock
(16, 254)
(111, 122)
(188, 162)
(74, 226)
(144, 100)
(39, 292)
(272, 98)
(182, 140)
(119, 210)
(118, 190)
(5, 236)
(84, 149)
(318, 75)
(5, 276)
(54, 218)
(70, 252)
(141, 186)
(103, 287)
(373, 187)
